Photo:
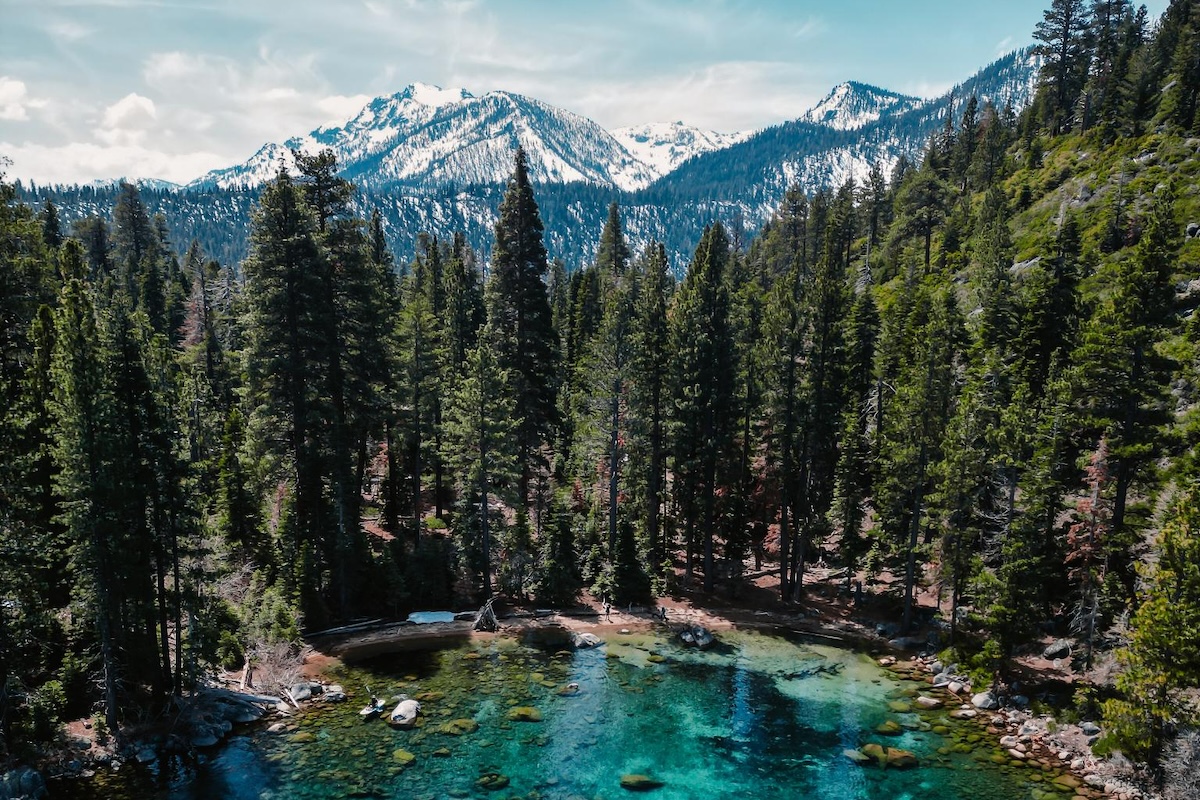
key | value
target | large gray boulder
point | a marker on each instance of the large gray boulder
(985, 700)
(405, 714)
(1059, 648)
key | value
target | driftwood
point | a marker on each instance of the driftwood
(486, 620)
(292, 697)
(357, 626)
(821, 669)
(241, 697)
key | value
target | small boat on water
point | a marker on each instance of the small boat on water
(372, 709)
(404, 715)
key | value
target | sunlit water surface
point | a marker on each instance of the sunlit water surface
(758, 716)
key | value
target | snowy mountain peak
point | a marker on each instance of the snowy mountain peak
(663, 146)
(435, 96)
(852, 105)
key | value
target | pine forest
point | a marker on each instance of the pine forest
(959, 399)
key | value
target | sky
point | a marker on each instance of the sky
(100, 89)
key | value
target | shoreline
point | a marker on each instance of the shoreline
(1038, 739)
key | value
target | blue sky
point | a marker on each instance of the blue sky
(172, 88)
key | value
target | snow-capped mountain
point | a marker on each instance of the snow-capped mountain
(811, 155)
(852, 105)
(663, 146)
(375, 128)
(427, 136)
(436, 161)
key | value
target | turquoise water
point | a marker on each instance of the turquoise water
(760, 716)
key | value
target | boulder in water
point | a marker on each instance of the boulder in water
(584, 641)
(635, 782)
(404, 715)
(900, 759)
(857, 756)
(697, 636)
(877, 752)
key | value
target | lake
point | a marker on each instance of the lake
(759, 715)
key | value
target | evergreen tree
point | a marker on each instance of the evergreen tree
(1065, 49)
(702, 374)
(521, 311)
(1162, 658)
(649, 398)
(480, 442)
(853, 483)
(288, 332)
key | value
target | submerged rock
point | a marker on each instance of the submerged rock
(524, 714)
(492, 781)
(457, 727)
(875, 751)
(635, 782)
(857, 756)
(900, 759)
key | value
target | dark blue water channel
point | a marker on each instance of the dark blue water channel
(760, 716)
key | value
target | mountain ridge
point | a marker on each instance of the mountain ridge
(740, 184)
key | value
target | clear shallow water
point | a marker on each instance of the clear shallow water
(761, 716)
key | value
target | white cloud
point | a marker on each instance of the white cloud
(67, 30)
(1004, 46)
(83, 161)
(15, 101)
(728, 96)
(339, 107)
(127, 121)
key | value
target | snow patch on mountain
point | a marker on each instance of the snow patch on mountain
(663, 146)
(852, 105)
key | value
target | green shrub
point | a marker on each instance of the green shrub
(46, 704)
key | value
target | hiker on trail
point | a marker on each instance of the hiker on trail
(607, 610)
